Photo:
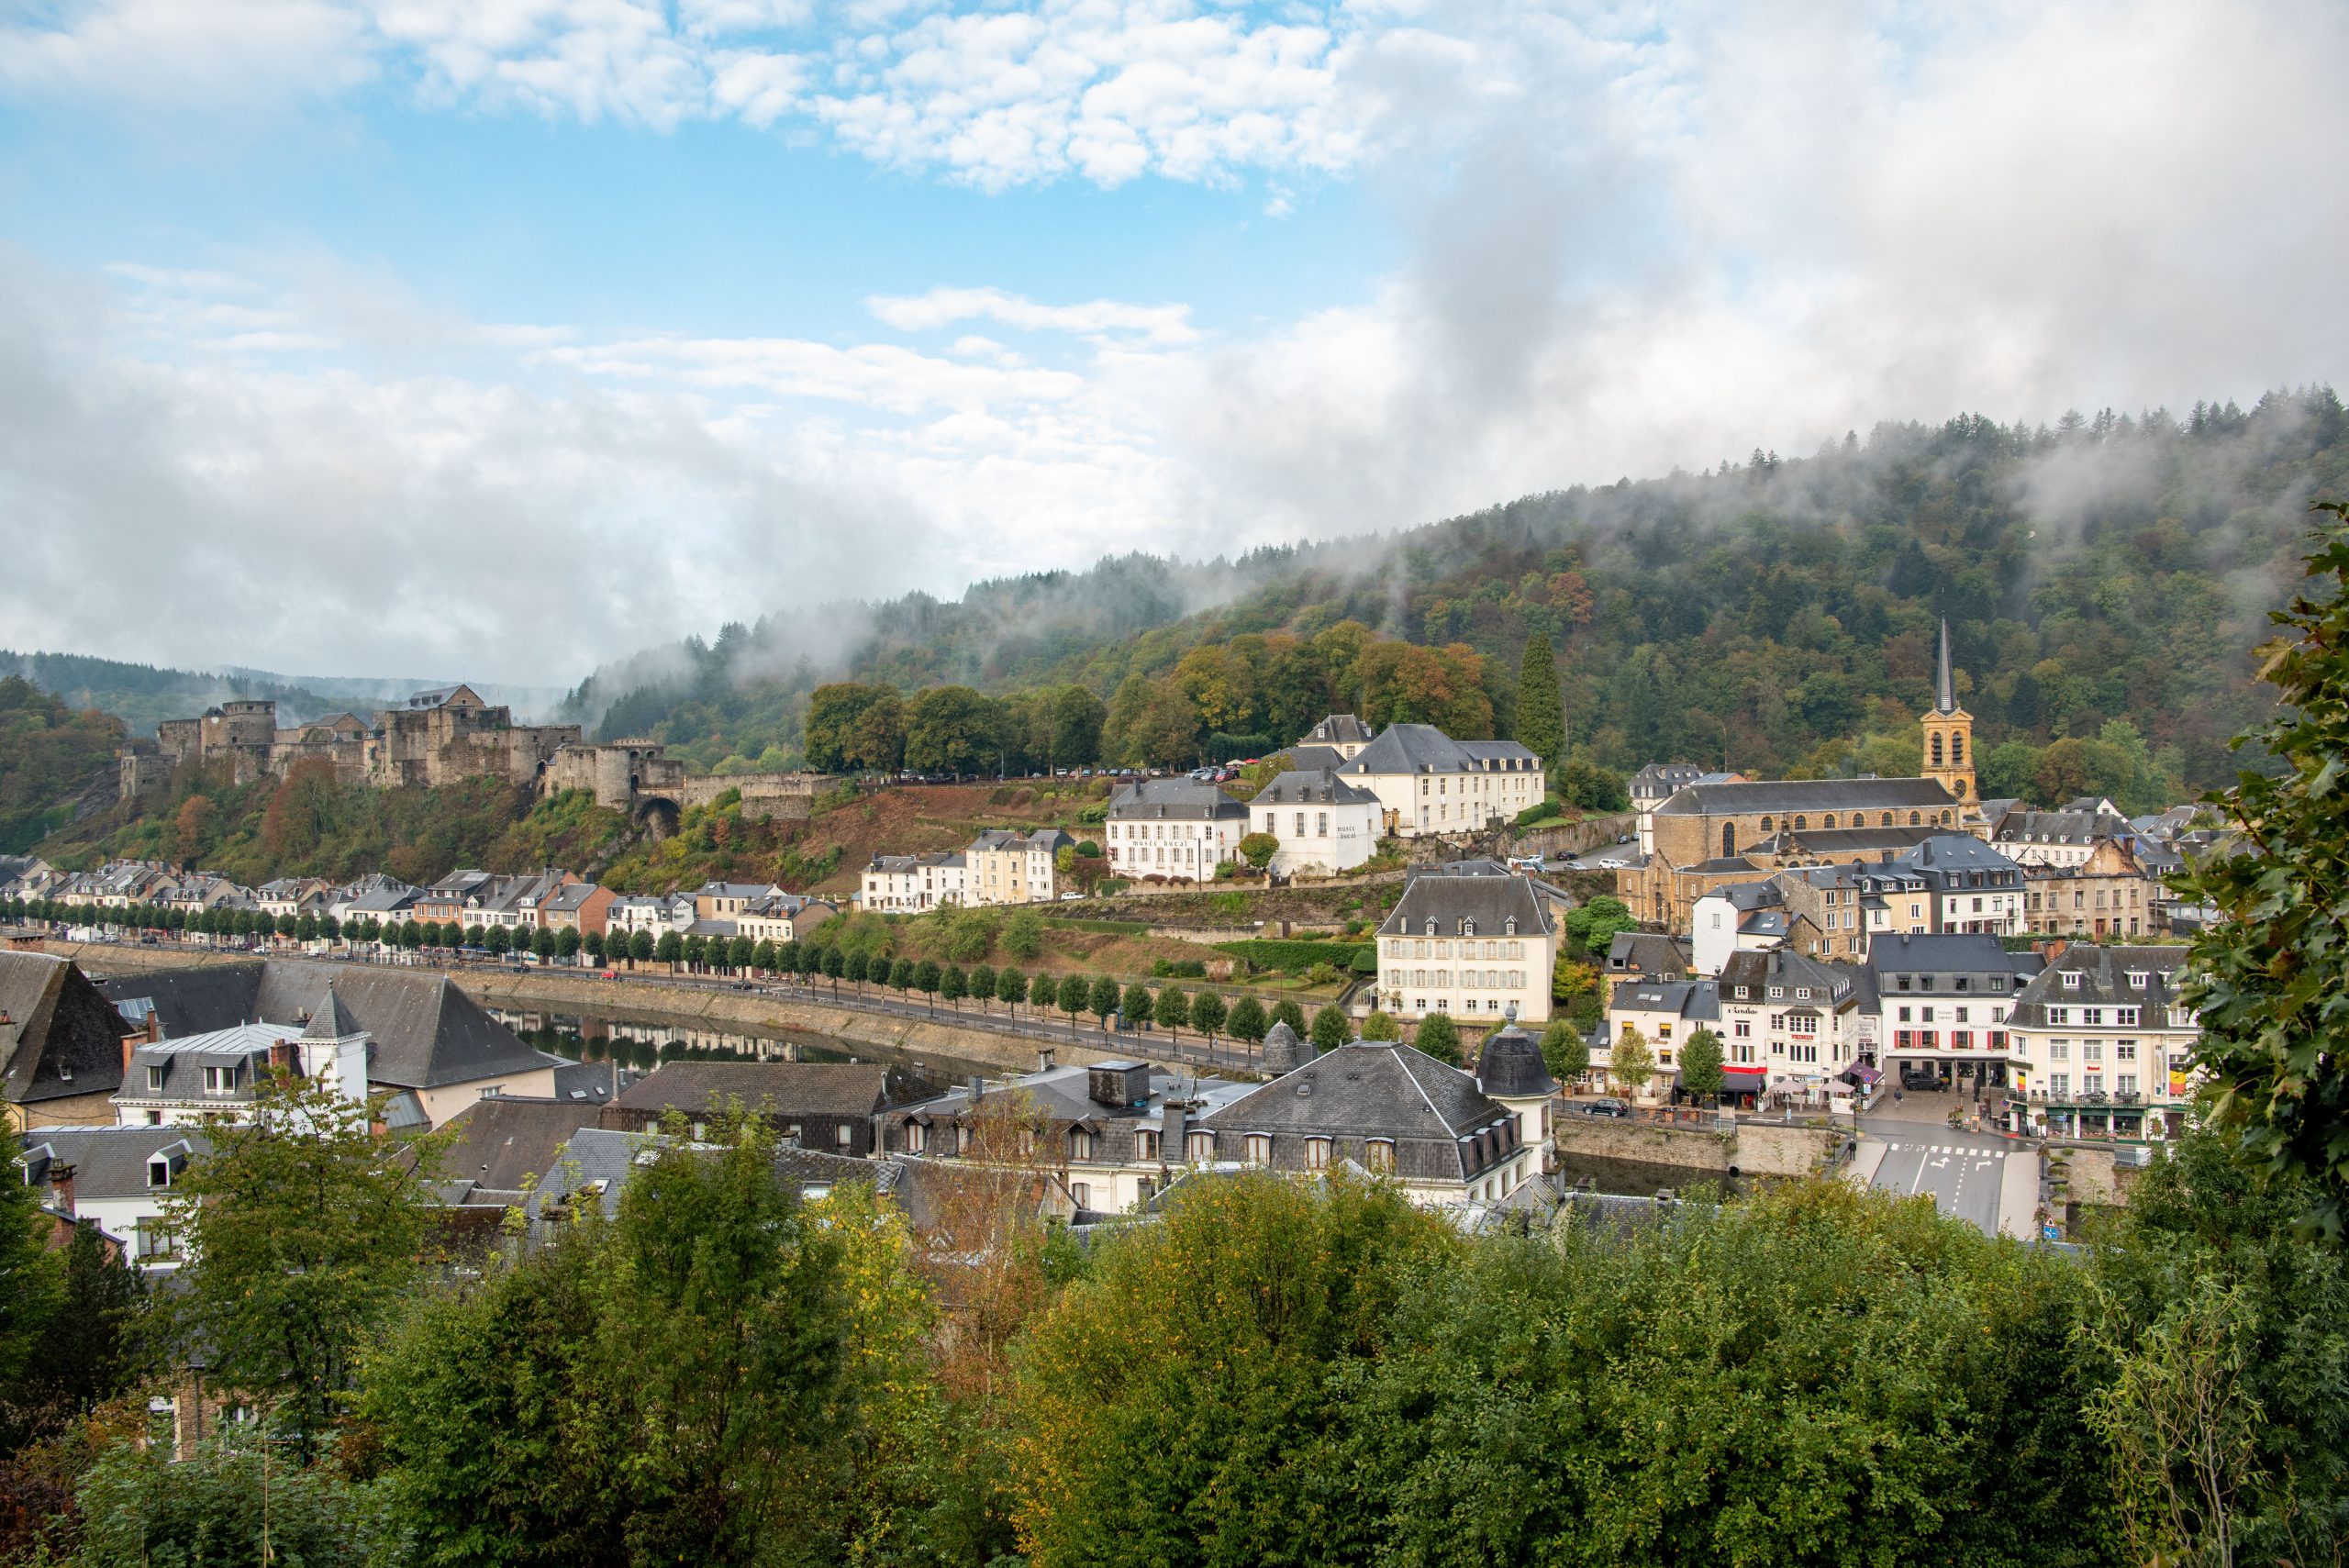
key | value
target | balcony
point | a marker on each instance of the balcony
(2090, 1099)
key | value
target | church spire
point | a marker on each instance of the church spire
(1944, 685)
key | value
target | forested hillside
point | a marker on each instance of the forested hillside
(142, 696)
(1780, 612)
(48, 751)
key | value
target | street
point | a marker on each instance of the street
(1988, 1181)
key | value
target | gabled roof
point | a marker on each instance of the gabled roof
(1948, 952)
(1175, 799)
(1490, 901)
(62, 1038)
(1317, 788)
(1313, 759)
(1805, 794)
(1368, 1090)
(108, 1162)
(504, 1143)
(1340, 730)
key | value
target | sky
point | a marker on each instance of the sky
(497, 339)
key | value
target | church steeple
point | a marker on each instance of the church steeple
(1944, 685)
(1949, 733)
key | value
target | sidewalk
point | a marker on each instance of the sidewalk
(1866, 1160)
(2019, 1196)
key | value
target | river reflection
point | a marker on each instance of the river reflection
(644, 1043)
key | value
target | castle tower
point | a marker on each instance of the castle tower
(1949, 735)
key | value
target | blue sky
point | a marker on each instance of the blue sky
(647, 314)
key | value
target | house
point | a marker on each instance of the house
(1177, 829)
(180, 1082)
(1113, 1134)
(1738, 916)
(435, 1050)
(834, 1107)
(726, 900)
(445, 900)
(785, 917)
(2103, 1046)
(631, 913)
(1475, 946)
(502, 1148)
(576, 906)
(1001, 866)
(197, 891)
(1972, 886)
(383, 899)
(1942, 1004)
(2110, 891)
(1635, 956)
(512, 902)
(1428, 783)
(911, 882)
(1341, 733)
(118, 1179)
(1666, 1012)
(1795, 1018)
(1445, 1137)
(2058, 837)
(293, 896)
(1323, 823)
(61, 1044)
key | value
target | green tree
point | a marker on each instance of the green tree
(1330, 1027)
(857, 968)
(902, 975)
(568, 941)
(983, 979)
(1105, 999)
(227, 1504)
(1136, 1003)
(1023, 935)
(31, 1287)
(1247, 1021)
(1207, 1014)
(954, 984)
(949, 729)
(670, 949)
(835, 966)
(542, 943)
(766, 958)
(1541, 709)
(1172, 1009)
(2266, 977)
(1438, 1037)
(1011, 989)
(1077, 716)
(592, 944)
(1381, 1027)
(739, 953)
(1258, 849)
(928, 977)
(696, 950)
(852, 727)
(306, 1232)
(1701, 1064)
(1594, 927)
(498, 941)
(1630, 1062)
(640, 946)
(1564, 1052)
(1074, 993)
(1287, 1010)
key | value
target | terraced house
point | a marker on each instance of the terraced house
(2102, 1046)
(1475, 946)
(1005, 866)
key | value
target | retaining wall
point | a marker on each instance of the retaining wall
(1755, 1149)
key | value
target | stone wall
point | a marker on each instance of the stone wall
(1753, 1149)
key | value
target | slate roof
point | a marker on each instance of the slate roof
(1648, 952)
(1948, 952)
(1370, 1089)
(2062, 827)
(62, 1036)
(1176, 799)
(2104, 980)
(1949, 855)
(794, 1088)
(1804, 794)
(1318, 786)
(1511, 1064)
(1424, 748)
(504, 1143)
(108, 1162)
(1695, 999)
(1448, 900)
(1658, 780)
(1045, 841)
(1835, 985)
(1341, 730)
(592, 1082)
(427, 1033)
(1314, 759)
(1842, 841)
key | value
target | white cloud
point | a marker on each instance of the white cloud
(1163, 325)
(224, 56)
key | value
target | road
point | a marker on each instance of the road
(1988, 1181)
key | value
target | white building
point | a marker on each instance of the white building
(2103, 1047)
(1342, 733)
(1428, 783)
(632, 913)
(115, 1178)
(910, 883)
(1474, 946)
(1737, 917)
(1797, 1020)
(1174, 829)
(1323, 823)
(179, 1083)
(2059, 837)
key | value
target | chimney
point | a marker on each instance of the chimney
(61, 1187)
(1044, 1059)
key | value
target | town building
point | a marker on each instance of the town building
(1971, 886)
(434, 1050)
(576, 906)
(910, 883)
(1341, 733)
(1665, 1012)
(116, 1178)
(1738, 916)
(784, 917)
(1005, 866)
(1113, 1133)
(1395, 1113)
(1942, 1005)
(446, 899)
(2106, 891)
(61, 1044)
(1426, 781)
(1172, 829)
(2103, 1046)
(832, 1106)
(631, 913)
(1477, 947)
(183, 1082)
(1798, 1019)
(1323, 823)
(726, 900)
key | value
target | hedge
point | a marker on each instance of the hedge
(1295, 957)
(1108, 928)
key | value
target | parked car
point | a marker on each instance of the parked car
(1607, 1106)
(1913, 1080)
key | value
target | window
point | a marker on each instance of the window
(1317, 1153)
(1080, 1143)
(1081, 1191)
(1200, 1147)
(2059, 1015)
(1260, 1148)
(155, 1077)
(917, 1138)
(1146, 1143)
(1378, 1155)
(2059, 1051)
(219, 1080)
(2092, 1052)
(2071, 980)
(159, 1172)
(2125, 1016)
(2137, 979)
(2059, 1084)
(2124, 1051)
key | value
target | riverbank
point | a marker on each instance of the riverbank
(874, 1021)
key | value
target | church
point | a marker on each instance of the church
(1709, 835)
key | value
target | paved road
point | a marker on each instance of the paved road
(1964, 1171)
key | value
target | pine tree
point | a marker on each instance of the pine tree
(1540, 712)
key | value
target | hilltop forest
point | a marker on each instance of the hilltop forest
(2104, 580)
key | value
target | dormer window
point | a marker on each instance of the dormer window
(1776, 992)
(1431, 928)
(1468, 926)
(1508, 926)
(159, 1172)
(2137, 979)
(2071, 980)
(155, 1077)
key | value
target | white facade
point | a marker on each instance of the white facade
(910, 883)
(179, 1083)
(1322, 823)
(1001, 867)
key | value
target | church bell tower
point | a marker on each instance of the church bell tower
(1949, 735)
